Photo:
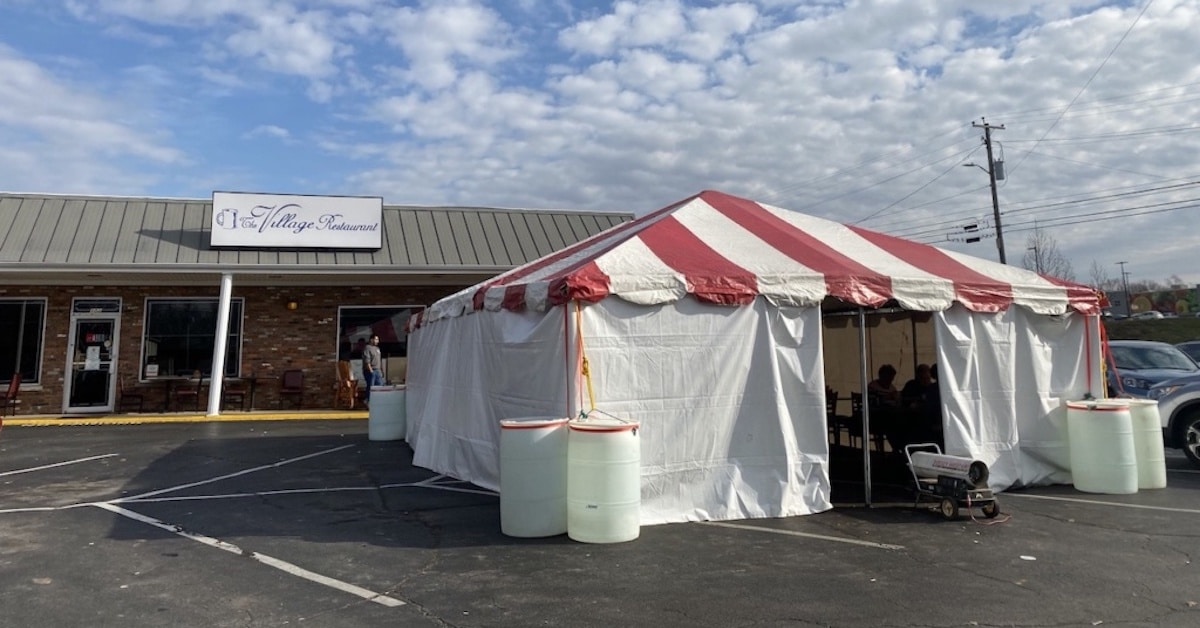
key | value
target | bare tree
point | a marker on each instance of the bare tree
(1099, 277)
(1042, 255)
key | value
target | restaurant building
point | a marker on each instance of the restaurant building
(114, 304)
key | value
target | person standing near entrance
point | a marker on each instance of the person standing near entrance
(372, 365)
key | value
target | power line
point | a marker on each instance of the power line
(1108, 137)
(1109, 105)
(1085, 218)
(942, 223)
(909, 195)
(1089, 81)
(781, 193)
(882, 181)
(942, 229)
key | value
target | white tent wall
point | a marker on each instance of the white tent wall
(730, 402)
(474, 371)
(1002, 378)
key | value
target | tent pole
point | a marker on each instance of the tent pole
(866, 406)
(571, 357)
(913, 321)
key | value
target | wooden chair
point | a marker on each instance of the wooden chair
(347, 387)
(291, 384)
(9, 400)
(879, 420)
(854, 422)
(126, 398)
(188, 392)
(831, 417)
(235, 392)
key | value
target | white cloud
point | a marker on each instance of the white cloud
(269, 130)
(439, 36)
(172, 12)
(60, 136)
(655, 23)
(289, 44)
(713, 27)
(843, 109)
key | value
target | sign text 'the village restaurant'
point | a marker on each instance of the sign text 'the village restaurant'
(292, 221)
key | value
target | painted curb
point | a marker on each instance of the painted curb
(183, 418)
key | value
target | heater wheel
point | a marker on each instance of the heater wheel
(991, 509)
(949, 508)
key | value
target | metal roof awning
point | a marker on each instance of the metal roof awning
(49, 239)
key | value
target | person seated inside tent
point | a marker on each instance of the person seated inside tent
(886, 415)
(922, 404)
(931, 419)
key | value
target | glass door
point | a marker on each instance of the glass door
(90, 386)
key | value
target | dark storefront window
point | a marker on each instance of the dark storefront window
(21, 324)
(180, 334)
(387, 321)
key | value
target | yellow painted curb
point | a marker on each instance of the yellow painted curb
(126, 419)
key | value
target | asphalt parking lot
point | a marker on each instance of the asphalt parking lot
(310, 523)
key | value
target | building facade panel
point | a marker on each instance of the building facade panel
(273, 339)
(96, 291)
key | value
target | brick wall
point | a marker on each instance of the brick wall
(275, 338)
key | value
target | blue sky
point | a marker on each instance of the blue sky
(859, 111)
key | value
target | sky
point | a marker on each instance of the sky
(868, 112)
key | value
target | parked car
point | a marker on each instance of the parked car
(1179, 407)
(1140, 364)
(1192, 348)
(1147, 315)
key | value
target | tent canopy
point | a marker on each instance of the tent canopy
(732, 400)
(728, 250)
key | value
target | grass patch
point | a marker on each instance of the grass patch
(1172, 330)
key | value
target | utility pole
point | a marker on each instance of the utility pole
(991, 170)
(1037, 257)
(1125, 283)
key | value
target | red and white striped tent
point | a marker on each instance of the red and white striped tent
(728, 250)
(702, 321)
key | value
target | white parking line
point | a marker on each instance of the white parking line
(1102, 503)
(9, 511)
(443, 487)
(270, 561)
(821, 537)
(57, 464)
(293, 491)
(230, 475)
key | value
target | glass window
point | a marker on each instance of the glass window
(21, 325)
(1152, 357)
(359, 323)
(180, 333)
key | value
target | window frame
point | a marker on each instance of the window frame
(146, 304)
(337, 339)
(41, 357)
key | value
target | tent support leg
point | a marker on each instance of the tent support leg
(866, 406)
(571, 358)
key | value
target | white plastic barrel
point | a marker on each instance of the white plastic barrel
(1148, 443)
(1102, 450)
(604, 484)
(386, 420)
(533, 476)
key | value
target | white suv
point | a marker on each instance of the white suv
(1179, 405)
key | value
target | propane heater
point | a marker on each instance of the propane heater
(952, 481)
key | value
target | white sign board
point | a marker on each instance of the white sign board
(91, 360)
(281, 221)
